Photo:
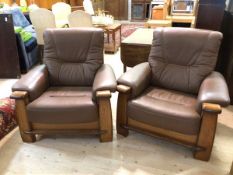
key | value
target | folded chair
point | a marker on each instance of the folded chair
(176, 95)
(71, 92)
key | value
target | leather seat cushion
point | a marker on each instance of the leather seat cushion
(166, 109)
(64, 105)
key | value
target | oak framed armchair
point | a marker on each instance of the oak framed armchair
(176, 95)
(71, 92)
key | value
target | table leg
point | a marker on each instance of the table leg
(114, 40)
(120, 35)
(124, 69)
(231, 171)
(108, 37)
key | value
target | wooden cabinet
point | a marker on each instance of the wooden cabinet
(9, 59)
(140, 9)
(210, 14)
(157, 13)
(117, 8)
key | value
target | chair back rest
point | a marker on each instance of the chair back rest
(33, 7)
(181, 58)
(88, 7)
(73, 55)
(61, 11)
(79, 18)
(41, 20)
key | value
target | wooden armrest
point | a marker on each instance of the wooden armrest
(123, 88)
(103, 94)
(210, 107)
(19, 95)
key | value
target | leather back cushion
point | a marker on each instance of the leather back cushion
(181, 58)
(73, 55)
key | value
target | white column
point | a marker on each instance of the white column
(129, 9)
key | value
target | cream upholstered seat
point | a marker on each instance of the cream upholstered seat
(80, 18)
(41, 19)
(61, 11)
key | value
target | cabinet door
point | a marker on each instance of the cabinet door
(210, 14)
(9, 60)
(137, 12)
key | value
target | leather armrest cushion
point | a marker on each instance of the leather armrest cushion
(137, 78)
(104, 80)
(213, 90)
(35, 82)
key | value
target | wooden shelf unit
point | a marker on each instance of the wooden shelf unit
(140, 10)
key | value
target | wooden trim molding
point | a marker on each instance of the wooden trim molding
(175, 136)
(45, 126)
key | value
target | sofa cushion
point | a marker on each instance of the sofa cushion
(30, 29)
(64, 105)
(181, 58)
(30, 44)
(166, 109)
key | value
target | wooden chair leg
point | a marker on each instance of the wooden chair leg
(105, 116)
(207, 131)
(231, 171)
(21, 115)
(41, 53)
(121, 109)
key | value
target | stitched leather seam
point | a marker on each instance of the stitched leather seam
(160, 99)
(59, 61)
(163, 56)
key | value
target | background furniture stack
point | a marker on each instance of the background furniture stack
(173, 13)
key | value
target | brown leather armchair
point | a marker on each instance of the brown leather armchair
(71, 92)
(176, 95)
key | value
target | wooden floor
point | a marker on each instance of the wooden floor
(137, 154)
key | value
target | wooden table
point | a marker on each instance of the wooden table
(135, 48)
(158, 23)
(113, 46)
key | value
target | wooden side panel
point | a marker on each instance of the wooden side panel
(206, 135)
(21, 115)
(105, 119)
(9, 59)
(210, 14)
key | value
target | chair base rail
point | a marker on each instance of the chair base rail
(164, 138)
(71, 131)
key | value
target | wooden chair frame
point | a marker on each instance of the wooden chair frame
(201, 143)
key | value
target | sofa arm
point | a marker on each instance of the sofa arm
(104, 80)
(213, 90)
(137, 78)
(34, 82)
